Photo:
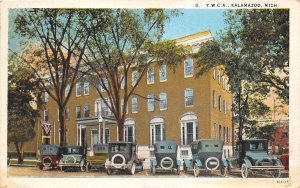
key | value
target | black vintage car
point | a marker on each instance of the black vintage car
(123, 156)
(206, 155)
(73, 157)
(252, 157)
(165, 157)
(50, 155)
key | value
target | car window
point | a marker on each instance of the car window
(118, 147)
(257, 146)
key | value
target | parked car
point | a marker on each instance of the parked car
(206, 155)
(252, 157)
(123, 156)
(284, 158)
(165, 153)
(98, 159)
(49, 156)
(73, 157)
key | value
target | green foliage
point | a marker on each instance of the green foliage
(253, 51)
(260, 131)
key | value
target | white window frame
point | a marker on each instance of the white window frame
(94, 132)
(105, 81)
(76, 111)
(122, 79)
(185, 97)
(129, 123)
(214, 73)
(188, 118)
(214, 99)
(220, 102)
(78, 85)
(134, 99)
(150, 75)
(46, 96)
(68, 113)
(157, 122)
(161, 101)
(186, 68)
(134, 77)
(151, 102)
(67, 90)
(46, 111)
(163, 73)
(86, 88)
(84, 110)
(224, 107)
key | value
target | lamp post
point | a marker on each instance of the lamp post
(100, 119)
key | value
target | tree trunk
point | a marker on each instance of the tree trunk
(62, 126)
(20, 151)
(121, 130)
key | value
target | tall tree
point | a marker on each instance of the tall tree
(57, 58)
(23, 89)
(123, 41)
(253, 61)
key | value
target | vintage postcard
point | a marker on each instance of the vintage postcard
(149, 94)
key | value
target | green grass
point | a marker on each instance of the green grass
(29, 161)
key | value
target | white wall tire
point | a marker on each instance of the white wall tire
(118, 165)
(244, 170)
(47, 163)
(209, 160)
(162, 163)
(132, 169)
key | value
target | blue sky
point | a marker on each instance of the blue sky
(189, 22)
(193, 21)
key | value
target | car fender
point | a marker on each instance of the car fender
(178, 162)
(198, 162)
(82, 163)
(247, 162)
(277, 162)
(187, 162)
(153, 162)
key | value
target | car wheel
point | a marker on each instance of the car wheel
(40, 167)
(244, 170)
(108, 171)
(184, 168)
(132, 170)
(153, 170)
(62, 168)
(196, 170)
(142, 168)
(276, 173)
(223, 171)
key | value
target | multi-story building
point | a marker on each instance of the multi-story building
(188, 108)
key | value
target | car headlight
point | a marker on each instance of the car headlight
(275, 157)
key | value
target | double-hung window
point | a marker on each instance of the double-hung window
(163, 73)
(188, 68)
(68, 113)
(46, 96)
(134, 104)
(67, 90)
(78, 111)
(134, 77)
(214, 99)
(86, 110)
(163, 101)
(151, 102)
(150, 75)
(86, 86)
(78, 89)
(46, 115)
(189, 97)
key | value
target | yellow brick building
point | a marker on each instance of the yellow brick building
(187, 108)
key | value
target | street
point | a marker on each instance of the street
(35, 172)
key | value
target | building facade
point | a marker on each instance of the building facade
(168, 104)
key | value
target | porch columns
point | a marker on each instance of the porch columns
(80, 141)
(103, 131)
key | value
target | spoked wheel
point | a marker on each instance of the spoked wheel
(196, 170)
(244, 170)
(132, 170)
(108, 171)
(223, 171)
(276, 173)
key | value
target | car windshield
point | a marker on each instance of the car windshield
(257, 146)
(73, 150)
(118, 147)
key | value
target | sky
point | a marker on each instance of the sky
(188, 22)
(194, 20)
